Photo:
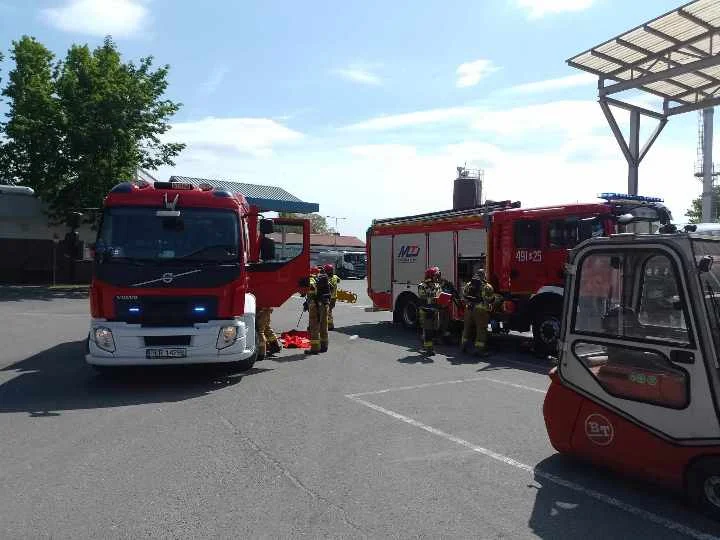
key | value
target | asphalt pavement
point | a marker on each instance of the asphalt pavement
(370, 440)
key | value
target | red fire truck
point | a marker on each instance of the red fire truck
(524, 251)
(178, 275)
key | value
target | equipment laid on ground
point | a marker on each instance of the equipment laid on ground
(346, 296)
(637, 384)
(522, 250)
(178, 276)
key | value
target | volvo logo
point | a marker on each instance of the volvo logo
(167, 278)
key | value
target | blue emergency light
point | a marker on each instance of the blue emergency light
(625, 197)
(134, 310)
(199, 309)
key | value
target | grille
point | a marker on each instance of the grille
(162, 341)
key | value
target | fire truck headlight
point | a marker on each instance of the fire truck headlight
(104, 339)
(227, 336)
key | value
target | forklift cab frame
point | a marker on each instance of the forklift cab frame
(637, 383)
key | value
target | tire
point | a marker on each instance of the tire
(408, 311)
(546, 333)
(703, 485)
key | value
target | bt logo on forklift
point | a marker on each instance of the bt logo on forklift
(408, 253)
(599, 430)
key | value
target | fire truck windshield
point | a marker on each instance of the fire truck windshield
(140, 235)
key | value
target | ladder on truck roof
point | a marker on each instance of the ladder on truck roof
(489, 206)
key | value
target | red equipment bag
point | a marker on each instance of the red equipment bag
(295, 339)
(444, 299)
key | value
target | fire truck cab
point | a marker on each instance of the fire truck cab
(637, 386)
(180, 271)
(523, 251)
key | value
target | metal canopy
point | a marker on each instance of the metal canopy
(675, 57)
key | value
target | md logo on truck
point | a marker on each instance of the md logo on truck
(408, 253)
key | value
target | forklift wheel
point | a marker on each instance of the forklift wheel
(703, 485)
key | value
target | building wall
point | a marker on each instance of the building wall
(27, 250)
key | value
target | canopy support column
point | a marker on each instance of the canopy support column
(631, 148)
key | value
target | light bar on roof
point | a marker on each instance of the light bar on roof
(625, 197)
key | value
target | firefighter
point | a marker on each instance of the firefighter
(428, 291)
(318, 300)
(268, 342)
(479, 299)
(334, 280)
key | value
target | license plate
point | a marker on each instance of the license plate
(165, 353)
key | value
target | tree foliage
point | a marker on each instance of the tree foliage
(79, 126)
(318, 223)
(694, 213)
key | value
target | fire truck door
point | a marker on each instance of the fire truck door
(275, 278)
(527, 271)
(380, 264)
(630, 345)
(441, 253)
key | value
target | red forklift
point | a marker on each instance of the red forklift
(637, 383)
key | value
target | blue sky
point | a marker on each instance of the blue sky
(367, 107)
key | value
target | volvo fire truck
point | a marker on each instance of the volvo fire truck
(523, 251)
(179, 273)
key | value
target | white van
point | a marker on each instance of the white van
(347, 263)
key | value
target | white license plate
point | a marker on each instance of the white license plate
(165, 353)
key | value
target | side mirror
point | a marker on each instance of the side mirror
(626, 219)
(267, 226)
(705, 264)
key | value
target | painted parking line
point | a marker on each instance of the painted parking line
(597, 495)
(441, 383)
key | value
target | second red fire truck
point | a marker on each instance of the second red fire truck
(523, 250)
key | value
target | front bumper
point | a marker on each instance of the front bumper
(130, 345)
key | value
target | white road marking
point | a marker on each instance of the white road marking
(441, 383)
(607, 499)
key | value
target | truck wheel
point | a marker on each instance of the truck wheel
(546, 333)
(408, 311)
(703, 485)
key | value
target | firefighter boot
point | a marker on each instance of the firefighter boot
(323, 347)
(274, 346)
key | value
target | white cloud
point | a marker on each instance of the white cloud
(359, 73)
(470, 73)
(120, 18)
(546, 154)
(397, 121)
(253, 136)
(548, 85)
(569, 116)
(215, 79)
(539, 8)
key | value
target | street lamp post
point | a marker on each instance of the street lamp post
(336, 227)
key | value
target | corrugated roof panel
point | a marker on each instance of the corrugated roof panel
(269, 198)
(681, 33)
(664, 87)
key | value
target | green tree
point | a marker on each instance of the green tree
(694, 213)
(318, 223)
(77, 127)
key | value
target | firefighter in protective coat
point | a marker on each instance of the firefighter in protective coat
(318, 301)
(480, 299)
(428, 311)
(334, 281)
